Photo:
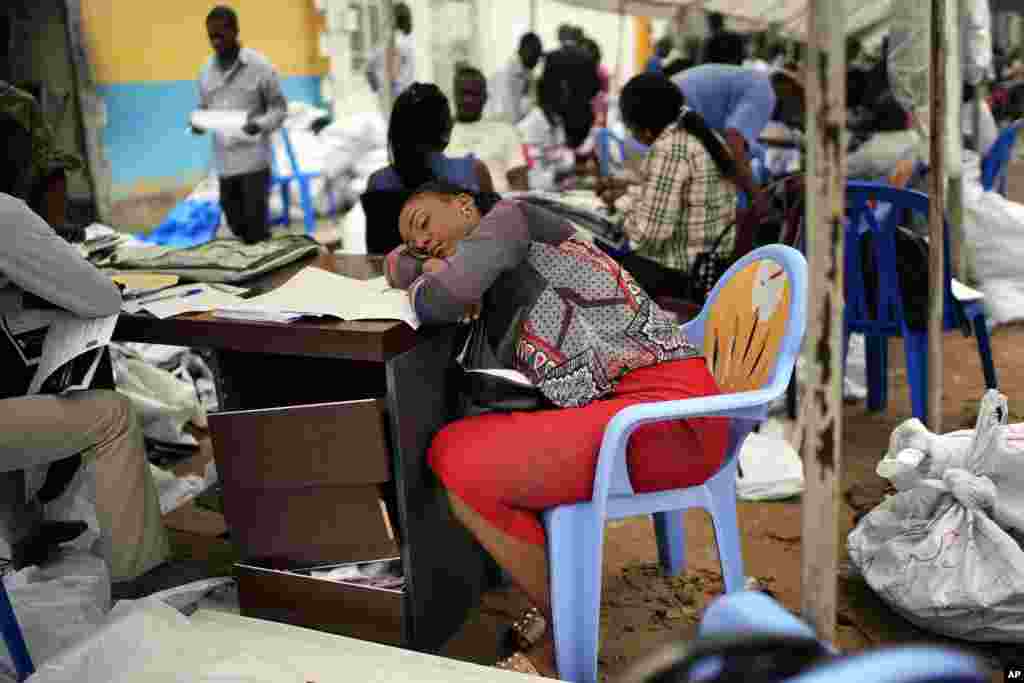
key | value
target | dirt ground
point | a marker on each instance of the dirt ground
(641, 609)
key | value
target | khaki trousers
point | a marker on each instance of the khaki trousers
(100, 424)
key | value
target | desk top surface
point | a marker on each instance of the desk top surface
(368, 340)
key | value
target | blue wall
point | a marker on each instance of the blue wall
(146, 140)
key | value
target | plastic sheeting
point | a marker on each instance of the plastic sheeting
(789, 15)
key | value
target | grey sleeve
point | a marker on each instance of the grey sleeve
(274, 99)
(38, 261)
(500, 243)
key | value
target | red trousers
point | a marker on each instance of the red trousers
(509, 467)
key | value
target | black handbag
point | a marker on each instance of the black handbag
(480, 391)
(707, 269)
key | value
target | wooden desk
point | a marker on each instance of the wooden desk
(268, 365)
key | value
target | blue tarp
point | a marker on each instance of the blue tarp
(189, 223)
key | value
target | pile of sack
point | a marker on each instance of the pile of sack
(945, 551)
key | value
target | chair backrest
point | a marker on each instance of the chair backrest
(753, 323)
(995, 161)
(878, 210)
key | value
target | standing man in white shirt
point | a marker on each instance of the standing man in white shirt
(510, 84)
(238, 78)
(403, 58)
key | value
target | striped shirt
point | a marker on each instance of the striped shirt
(683, 204)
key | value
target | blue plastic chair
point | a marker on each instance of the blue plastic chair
(889, 321)
(12, 637)
(751, 375)
(996, 160)
(283, 182)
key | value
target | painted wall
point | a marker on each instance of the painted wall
(146, 56)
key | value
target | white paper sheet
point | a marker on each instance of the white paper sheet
(69, 338)
(219, 120)
(210, 298)
(314, 291)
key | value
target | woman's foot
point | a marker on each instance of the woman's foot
(540, 661)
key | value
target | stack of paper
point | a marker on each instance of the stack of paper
(317, 292)
(219, 120)
(192, 298)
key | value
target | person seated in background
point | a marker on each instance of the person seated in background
(549, 158)
(893, 148)
(499, 145)
(723, 46)
(565, 315)
(45, 183)
(568, 85)
(419, 131)
(689, 59)
(738, 103)
(662, 49)
(684, 204)
(39, 269)
(509, 85)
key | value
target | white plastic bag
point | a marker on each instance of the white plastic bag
(163, 402)
(945, 551)
(770, 468)
(995, 226)
(58, 605)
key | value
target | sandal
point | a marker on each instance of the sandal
(519, 663)
(528, 629)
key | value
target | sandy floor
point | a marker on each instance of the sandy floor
(642, 609)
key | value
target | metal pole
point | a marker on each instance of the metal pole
(820, 424)
(533, 16)
(388, 88)
(936, 218)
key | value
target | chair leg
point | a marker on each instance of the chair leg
(575, 544)
(727, 532)
(670, 530)
(915, 343)
(308, 212)
(877, 356)
(13, 638)
(985, 350)
(286, 203)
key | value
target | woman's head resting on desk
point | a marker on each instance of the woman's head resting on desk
(438, 215)
(419, 130)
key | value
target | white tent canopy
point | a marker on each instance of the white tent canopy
(789, 15)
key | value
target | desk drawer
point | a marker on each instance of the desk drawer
(304, 483)
(298, 599)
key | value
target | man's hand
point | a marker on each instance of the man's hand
(196, 130)
(609, 189)
(252, 128)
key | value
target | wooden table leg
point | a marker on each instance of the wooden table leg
(444, 566)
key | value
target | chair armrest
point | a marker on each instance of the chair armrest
(747, 405)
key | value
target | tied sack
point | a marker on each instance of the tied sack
(945, 551)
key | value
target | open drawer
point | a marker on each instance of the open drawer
(304, 483)
(301, 597)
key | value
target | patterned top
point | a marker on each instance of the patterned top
(683, 204)
(558, 310)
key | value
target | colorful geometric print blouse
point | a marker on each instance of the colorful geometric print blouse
(557, 309)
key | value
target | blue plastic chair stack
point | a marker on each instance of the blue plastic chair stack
(883, 317)
(283, 182)
(12, 637)
(750, 330)
(996, 160)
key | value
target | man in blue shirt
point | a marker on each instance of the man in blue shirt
(738, 103)
(662, 49)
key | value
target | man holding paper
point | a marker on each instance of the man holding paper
(241, 102)
(41, 274)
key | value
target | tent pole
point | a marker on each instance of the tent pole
(937, 213)
(388, 88)
(820, 423)
(533, 15)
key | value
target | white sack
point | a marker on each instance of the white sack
(995, 226)
(945, 551)
(59, 605)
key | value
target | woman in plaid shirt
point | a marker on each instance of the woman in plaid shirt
(685, 201)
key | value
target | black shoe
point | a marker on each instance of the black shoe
(40, 546)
